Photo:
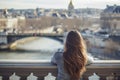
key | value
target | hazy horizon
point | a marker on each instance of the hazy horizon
(56, 4)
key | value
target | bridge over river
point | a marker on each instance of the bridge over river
(10, 38)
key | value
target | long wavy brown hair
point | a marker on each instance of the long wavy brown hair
(75, 57)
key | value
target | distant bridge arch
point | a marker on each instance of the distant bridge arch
(14, 37)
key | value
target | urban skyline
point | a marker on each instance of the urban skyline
(63, 4)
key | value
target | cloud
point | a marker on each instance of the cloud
(95, 3)
(56, 3)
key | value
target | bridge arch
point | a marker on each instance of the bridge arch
(34, 43)
(13, 38)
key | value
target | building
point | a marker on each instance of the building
(5, 13)
(8, 24)
(110, 19)
(70, 8)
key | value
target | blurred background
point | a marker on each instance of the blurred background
(35, 30)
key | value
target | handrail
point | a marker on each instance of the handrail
(47, 61)
(5, 62)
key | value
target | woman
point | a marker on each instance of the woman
(71, 62)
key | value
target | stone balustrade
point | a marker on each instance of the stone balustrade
(43, 70)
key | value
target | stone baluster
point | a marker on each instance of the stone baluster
(32, 77)
(49, 77)
(0, 77)
(14, 77)
(94, 77)
(112, 77)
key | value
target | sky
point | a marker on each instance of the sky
(25, 4)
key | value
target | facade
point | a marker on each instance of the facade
(110, 19)
(8, 24)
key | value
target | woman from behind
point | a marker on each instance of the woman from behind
(71, 62)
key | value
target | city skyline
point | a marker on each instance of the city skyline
(61, 4)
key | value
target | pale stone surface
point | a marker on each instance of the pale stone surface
(32, 77)
(14, 77)
(49, 77)
(109, 78)
(94, 77)
(0, 77)
(112, 77)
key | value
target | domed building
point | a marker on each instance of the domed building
(5, 13)
(70, 8)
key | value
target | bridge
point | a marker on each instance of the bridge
(14, 37)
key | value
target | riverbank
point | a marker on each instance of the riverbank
(4, 47)
(14, 45)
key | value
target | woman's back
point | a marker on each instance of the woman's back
(58, 60)
(71, 63)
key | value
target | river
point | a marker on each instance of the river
(42, 48)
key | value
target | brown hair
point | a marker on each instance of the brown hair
(74, 55)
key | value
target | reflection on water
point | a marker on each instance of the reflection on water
(26, 55)
(42, 44)
(39, 49)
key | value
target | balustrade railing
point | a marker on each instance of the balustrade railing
(44, 70)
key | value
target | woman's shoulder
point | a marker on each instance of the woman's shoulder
(59, 52)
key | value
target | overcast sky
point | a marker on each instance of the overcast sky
(23, 4)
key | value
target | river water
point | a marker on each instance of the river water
(42, 48)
